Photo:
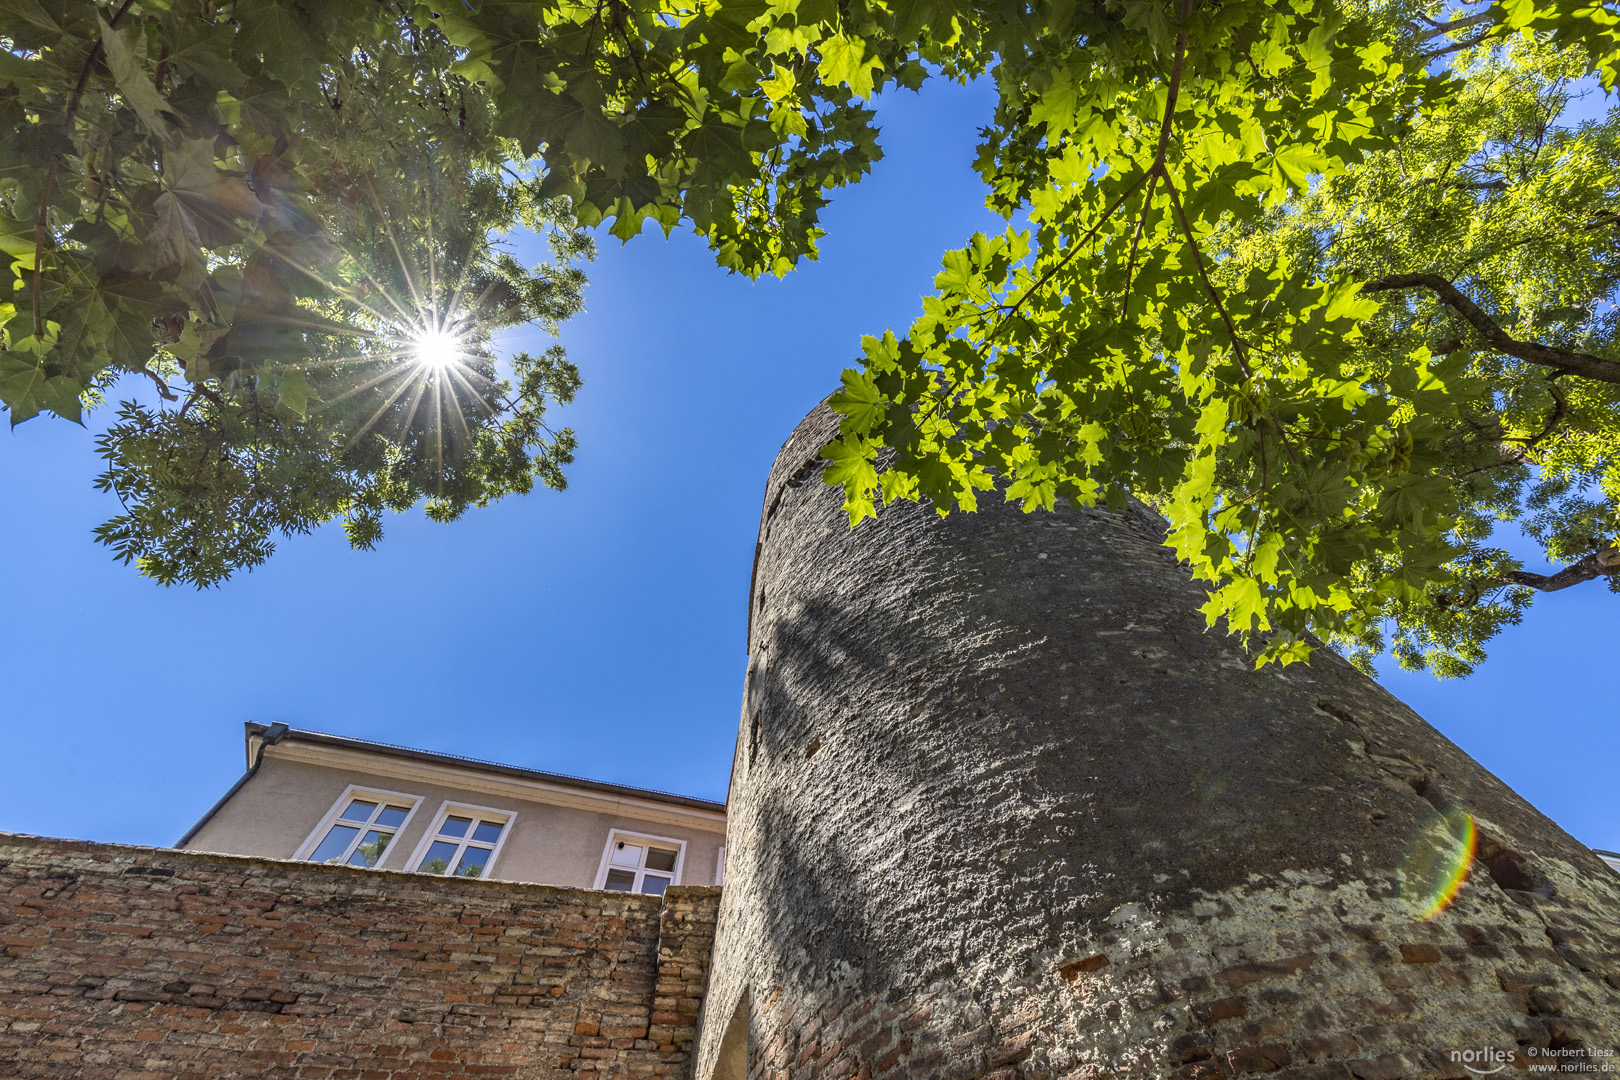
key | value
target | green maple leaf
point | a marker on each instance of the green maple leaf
(26, 389)
(844, 62)
(275, 31)
(859, 403)
(125, 49)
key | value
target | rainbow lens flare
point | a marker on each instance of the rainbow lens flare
(1438, 862)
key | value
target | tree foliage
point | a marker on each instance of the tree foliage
(261, 208)
(1489, 227)
(1320, 280)
(1196, 319)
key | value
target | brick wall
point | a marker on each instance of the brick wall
(143, 963)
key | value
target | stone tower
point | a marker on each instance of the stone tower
(1002, 807)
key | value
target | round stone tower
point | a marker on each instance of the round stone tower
(1003, 807)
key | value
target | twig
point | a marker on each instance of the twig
(1078, 244)
(1130, 264)
(162, 387)
(1157, 167)
(1244, 45)
(1434, 54)
(1560, 403)
(1215, 296)
(1203, 275)
(40, 227)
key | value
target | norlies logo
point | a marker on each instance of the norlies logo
(1483, 1062)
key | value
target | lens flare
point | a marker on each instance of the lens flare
(1438, 862)
(435, 348)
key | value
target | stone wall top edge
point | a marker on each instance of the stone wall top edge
(355, 875)
(683, 892)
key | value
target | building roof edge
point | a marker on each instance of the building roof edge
(433, 757)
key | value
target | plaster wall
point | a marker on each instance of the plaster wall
(1003, 807)
(550, 844)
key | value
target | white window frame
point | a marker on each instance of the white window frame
(368, 794)
(720, 866)
(445, 810)
(640, 840)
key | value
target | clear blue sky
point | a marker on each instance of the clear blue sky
(599, 631)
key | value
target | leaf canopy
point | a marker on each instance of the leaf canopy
(1322, 281)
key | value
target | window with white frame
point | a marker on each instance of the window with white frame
(359, 828)
(642, 864)
(464, 841)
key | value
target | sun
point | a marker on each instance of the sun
(436, 348)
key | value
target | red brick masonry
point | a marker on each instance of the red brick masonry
(141, 963)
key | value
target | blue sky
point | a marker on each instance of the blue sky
(599, 631)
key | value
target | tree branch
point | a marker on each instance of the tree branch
(1566, 361)
(1130, 264)
(1438, 28)
(1560, 404)
(1220, 307)
(1203, 276)
(1078, 246)
(162, 387)
(1434, 54)
(1604, 562)
(1156, 168)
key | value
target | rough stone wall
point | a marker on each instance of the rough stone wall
(1002, 807)
(143, 964)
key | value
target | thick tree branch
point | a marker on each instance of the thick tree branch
(1604, 562)
(1585, 365)
(1438, 28)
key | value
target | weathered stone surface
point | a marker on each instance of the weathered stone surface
(979, 753)
(134, 963)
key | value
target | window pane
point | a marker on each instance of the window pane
(472, 862)
(359, 811)
(392, 816)
(371, 848)
(653, 885)
(488, 832)
(620, 881)
(659, 859)
(455, 826)
(437, 859)
(335, 844)
(625, 855)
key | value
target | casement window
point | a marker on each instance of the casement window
(642, 864)
(359, 828)
(463, 842)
